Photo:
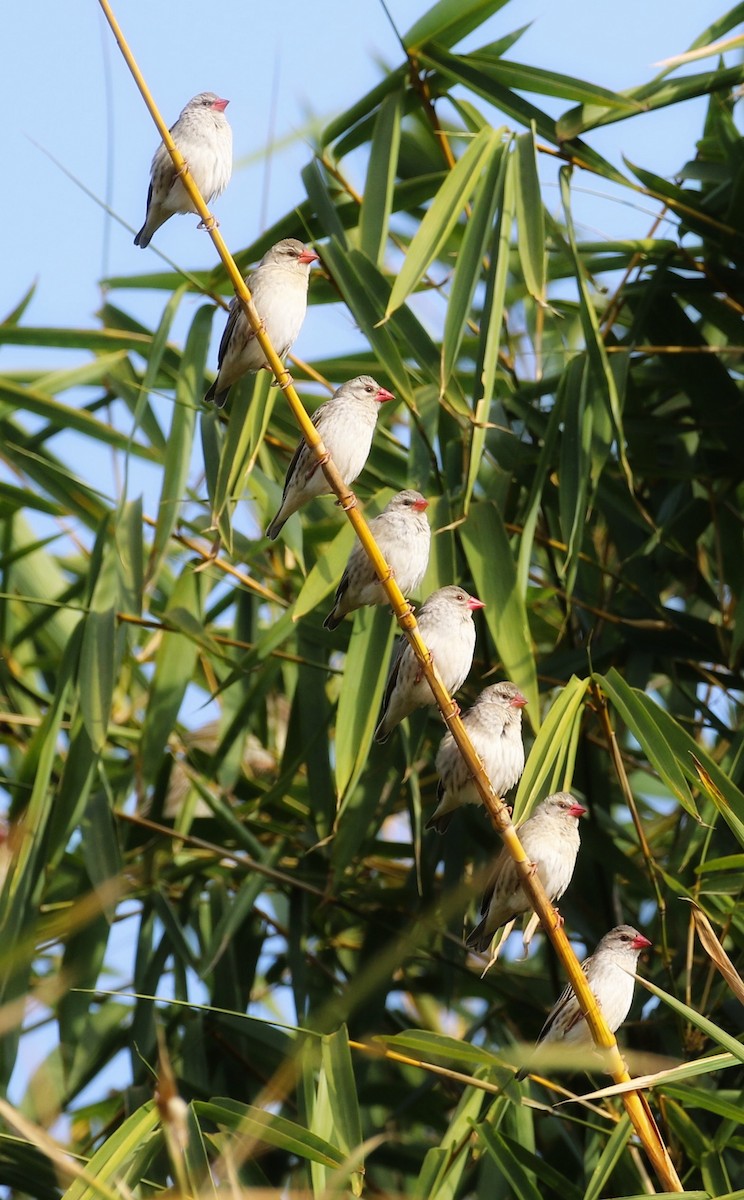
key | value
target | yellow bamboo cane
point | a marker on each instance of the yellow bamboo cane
(635, 1103)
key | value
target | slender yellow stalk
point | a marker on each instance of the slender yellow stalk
(635, 1103)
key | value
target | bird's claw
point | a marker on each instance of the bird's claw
(213, 223)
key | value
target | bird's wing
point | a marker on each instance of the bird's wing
(232, 319)
(565, 998)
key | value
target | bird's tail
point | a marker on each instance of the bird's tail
(479, 939)
(143, 237)
(276, 527)
(440, 823)
(332, 621)
(382, 733)
(212, 396)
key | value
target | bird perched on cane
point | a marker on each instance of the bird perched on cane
(550, 838)
(346, 424)
(446, 624)
(278, 289)
(494, 725)
(609, 974)
(204, 137)
(403, 535)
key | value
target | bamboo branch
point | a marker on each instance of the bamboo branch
(635, 1103)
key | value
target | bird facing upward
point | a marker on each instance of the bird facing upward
(445, 621)
(346, 423)
(494, 725)
(204, 137)
(403, 536)
(550, 838)
(278, 289)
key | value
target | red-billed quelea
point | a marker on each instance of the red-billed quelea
(346, 423)
(609, 971)
(403, 536)
(494, 725)
(278, 289)
(204, 138)
(550, 838)
(446, 624)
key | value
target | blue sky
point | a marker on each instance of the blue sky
(277, 63)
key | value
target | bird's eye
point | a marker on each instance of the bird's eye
(369, 389)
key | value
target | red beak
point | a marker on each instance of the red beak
(384, 395)
(640, 942)
(578, 810)
(308, 256)
(220, 105)
(420, 505)
(474, 604)
(519, 701)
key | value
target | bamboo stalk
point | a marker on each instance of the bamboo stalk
(634, 1102)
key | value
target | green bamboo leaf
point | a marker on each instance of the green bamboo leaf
(491, 325)
(63, 416)
(552, 83)
(469, 264)
(374, 215)
(344, 1102)
(696, 1019)
(272, 1129)
(362, 685)
(355, 116)
(116, 1162)
(320, 189)
(432, 1047)
(442, 1172)
(614, 1149)
(180, 437)
(448, 21)
(251, 406)
(101, 648)
(649, 724)
(648, 98)
(520, 1181)
(130, 556)
(196, 1159)
(549, 767)
(442, 216)
(575, 463)
(530, 217)
(174, 668)
(492, 566)
(326, 572)
(604, 378)
(345, 269)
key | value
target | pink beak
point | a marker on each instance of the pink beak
(474, 604)
(384, 395)
(420, 505)
(519, 701)
(640, 942)
(578, 810)
(220, 105)
(308, 256)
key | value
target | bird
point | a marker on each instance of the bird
(609, 974)
(346, 423)
(204, 137)
(550, 838)
(403, 536)
(278, 288)
(494, 725)
(445, 622)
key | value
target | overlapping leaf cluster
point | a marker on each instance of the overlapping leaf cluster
(573, 410)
